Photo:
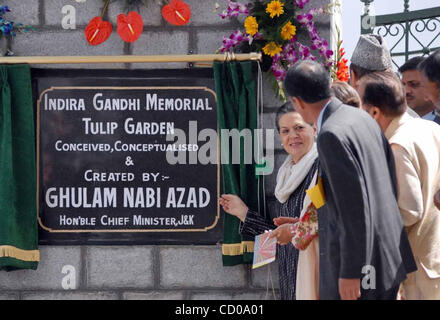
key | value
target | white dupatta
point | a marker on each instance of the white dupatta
(289, 177)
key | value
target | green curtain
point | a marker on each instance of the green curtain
(237, 109)
(18, 207)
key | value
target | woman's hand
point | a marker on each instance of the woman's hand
(233, 205)
(282, 220)
(282, 233)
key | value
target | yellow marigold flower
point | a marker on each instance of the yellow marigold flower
(288, 31)
(251, 25)
(275, 8)
(272, 49)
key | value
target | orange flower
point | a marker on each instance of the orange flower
(341, 52)
(342, 72)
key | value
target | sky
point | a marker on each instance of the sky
(352, 10)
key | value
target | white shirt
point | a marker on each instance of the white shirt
(321, 115)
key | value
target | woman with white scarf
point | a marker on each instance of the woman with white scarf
(298, 270)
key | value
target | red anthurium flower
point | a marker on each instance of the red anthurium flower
(130, 26)
(98, 31)
(177, 12)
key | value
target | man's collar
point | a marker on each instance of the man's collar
(321, 115)
(395, 124)
(429, 116)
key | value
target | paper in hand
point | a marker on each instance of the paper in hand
(265, 250)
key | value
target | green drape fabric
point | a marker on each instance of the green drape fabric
(18, 208)
(237, 109)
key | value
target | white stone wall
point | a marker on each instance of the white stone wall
(136, 272)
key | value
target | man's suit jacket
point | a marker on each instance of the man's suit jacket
(437, 119)
(360, 226)
(416, 147)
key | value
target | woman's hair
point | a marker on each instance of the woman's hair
(284, 109)
(346, 93)
(287, 107)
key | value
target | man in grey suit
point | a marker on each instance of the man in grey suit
(364, 249)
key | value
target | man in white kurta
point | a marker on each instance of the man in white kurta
(416, 148)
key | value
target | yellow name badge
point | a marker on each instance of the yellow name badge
(316, 194)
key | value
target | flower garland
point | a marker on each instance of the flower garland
(271, 27)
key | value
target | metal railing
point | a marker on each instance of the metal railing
(408, 33)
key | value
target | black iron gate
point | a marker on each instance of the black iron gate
(408, 34)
